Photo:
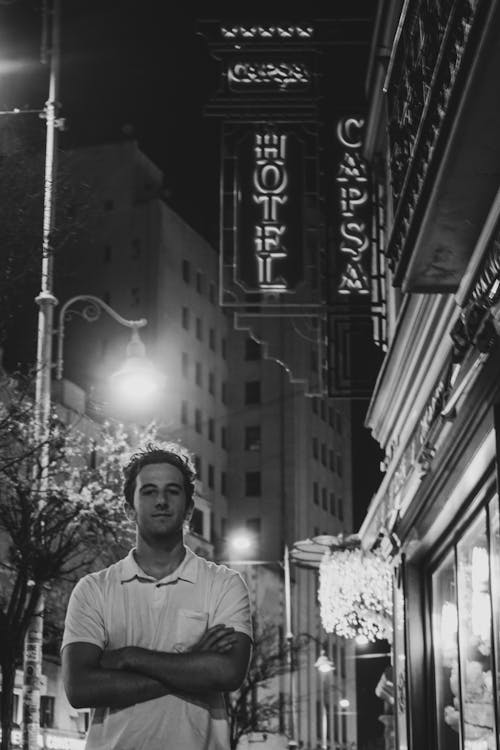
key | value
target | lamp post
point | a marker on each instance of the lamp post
(243, 543)
(324, 666)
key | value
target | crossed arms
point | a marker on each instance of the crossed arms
(119, 678)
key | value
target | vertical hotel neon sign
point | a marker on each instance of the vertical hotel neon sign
(270, 182)
(353, 189)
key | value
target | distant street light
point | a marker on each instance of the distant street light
(243, 541)
(324, 667)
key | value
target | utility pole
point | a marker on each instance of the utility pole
(46, 303)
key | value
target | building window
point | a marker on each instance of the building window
(211, 383)
(323, 454)
(322, 408)
(323, 499)
(184, 412)
(253, 526)
(331, 457)
(339, 465)
(331, 416)
(211, 476)
(198, 374)
(223, 437)
(185, 364)
(314, 405)
(315, 447)
(186, 271)
(199, 282)
(211, 429)
(223, 482)
(107, 253)
(340, 509)
(47, 703)
(252, 484)
(196, 523)
(252, 437)
(199, 329)
(197, 467)
(332, 503)
(252, 349)
(315, 493)
(185, 318)
(339, 423)
(223, 392)
(223, 347)
(197, 420)
(211, 339)
(252, 392)
(211, 293)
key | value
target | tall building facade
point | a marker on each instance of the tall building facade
(432, 143)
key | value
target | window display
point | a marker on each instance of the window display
(462, 631)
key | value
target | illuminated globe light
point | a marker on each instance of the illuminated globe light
(355, 594)
(241, 542)
(138, 382)
(344, 703)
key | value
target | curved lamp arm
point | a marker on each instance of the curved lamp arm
(91, 312)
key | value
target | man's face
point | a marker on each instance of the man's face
(160, 501)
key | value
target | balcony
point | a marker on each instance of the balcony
(444, 121)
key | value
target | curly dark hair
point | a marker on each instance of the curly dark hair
(159, 453)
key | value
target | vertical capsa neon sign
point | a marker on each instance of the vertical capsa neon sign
(270, 182)
(353, 187)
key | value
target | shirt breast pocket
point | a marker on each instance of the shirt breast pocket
(191, 624)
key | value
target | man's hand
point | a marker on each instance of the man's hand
(218, 638)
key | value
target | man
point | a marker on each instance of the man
(152, 642)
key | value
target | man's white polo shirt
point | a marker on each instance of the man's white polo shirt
(122, 606)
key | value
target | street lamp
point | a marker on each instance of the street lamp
(324, 666)
(137, 381)
(242, 541)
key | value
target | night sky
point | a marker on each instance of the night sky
(137, 68)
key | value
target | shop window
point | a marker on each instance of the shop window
(463, 664)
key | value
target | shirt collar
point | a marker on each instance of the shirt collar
(187, 570)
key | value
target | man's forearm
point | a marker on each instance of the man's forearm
(110, 688)
(191, 672)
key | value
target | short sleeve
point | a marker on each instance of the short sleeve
(84, 621)
(232, 607)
